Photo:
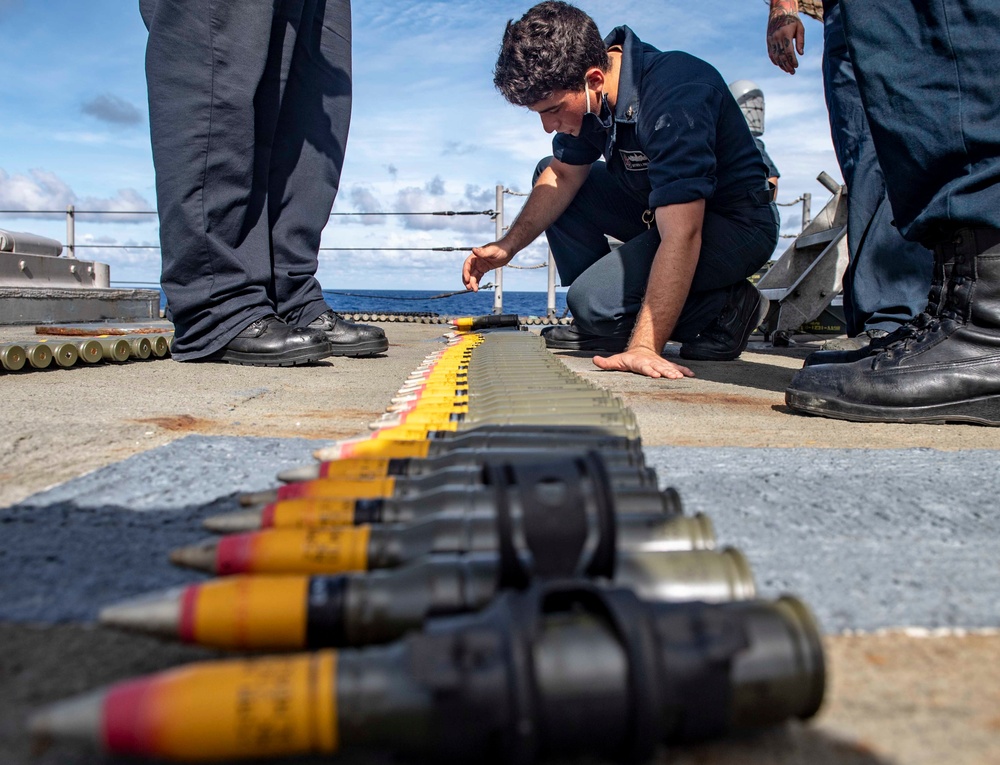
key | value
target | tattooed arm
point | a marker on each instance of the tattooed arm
(785, 34)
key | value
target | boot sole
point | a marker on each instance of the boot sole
(978, 411)
(369, 348)
(287, 359)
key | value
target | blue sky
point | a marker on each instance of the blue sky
(429, 132)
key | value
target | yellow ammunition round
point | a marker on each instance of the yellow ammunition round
(227, 710)
(282, 551)
(246, 612)
(316, 512)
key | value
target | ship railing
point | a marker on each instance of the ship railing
(497, 215)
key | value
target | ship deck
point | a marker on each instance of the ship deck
(888, 532)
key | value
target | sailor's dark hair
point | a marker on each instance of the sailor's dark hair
(550, 48)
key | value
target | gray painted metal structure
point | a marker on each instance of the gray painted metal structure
(61, 305)
(809, 274)
(37, 286)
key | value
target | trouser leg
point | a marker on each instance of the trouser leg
(926, 72)
(887, 277)
(607, 287)
(204, 61)
(924, 75)
(606, 298)
(308, 149)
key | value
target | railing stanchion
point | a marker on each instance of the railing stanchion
(806, 209)
(498, 291)
(71, 231)
(550, 306)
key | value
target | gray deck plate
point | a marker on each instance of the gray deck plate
(869, 538)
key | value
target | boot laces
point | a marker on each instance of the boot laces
(912, 332)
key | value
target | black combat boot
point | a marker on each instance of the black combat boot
(945, 369)
(568, 337)
(269, 342)
(867, 343)
(727, 336)
(350, 339)
(879, 341)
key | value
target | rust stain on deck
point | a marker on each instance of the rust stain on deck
(178, 422)
(701, 399)
(330, 423)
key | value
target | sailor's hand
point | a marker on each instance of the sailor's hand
(643, 361)
(483, 260)
(785, 36)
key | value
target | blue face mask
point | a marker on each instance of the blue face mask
(604, 119)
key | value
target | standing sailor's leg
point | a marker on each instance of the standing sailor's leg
(204, 62)
(307, 156)
(926, 77)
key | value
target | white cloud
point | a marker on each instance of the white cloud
(44, 190)
(424, 109)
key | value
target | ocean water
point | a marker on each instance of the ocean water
(425, 301)
(428, 302)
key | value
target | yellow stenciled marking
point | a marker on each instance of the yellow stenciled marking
(447, 396)
(252, 611)
(358, 488)
(429, 418)
(258, 708)
(412, 432)
(312, 551)
(392, 448)
(440, 407)
(361, 469)
(313, 512)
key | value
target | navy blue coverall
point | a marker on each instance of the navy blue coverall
(887, 277)
(676, 135)
(249, 109)
(927, 73)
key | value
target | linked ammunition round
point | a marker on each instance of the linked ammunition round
(115, 348)
(91, 351)
(64, 354)
(433, 443)
(560, 669)
(12, 357)
(380, 467)
(39, 355)
(298, 612)
(159, 345)
(139, 347)
(423, 488)
(332, 512)
(338, 549)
